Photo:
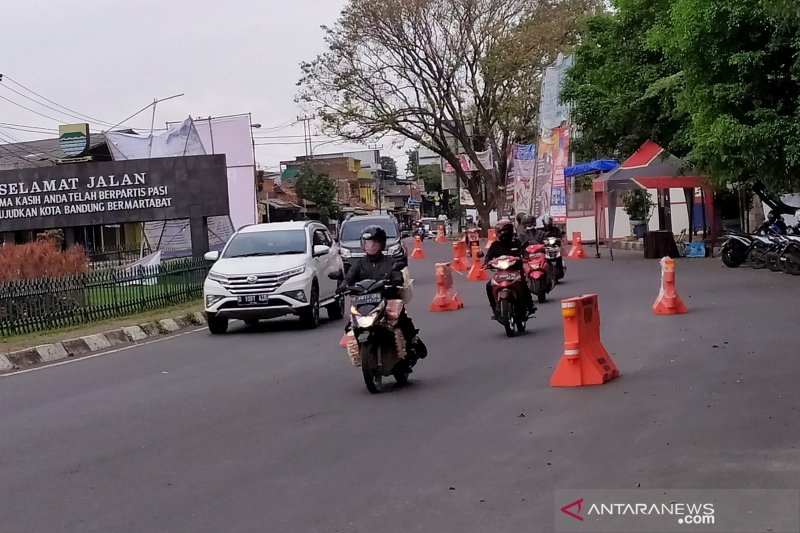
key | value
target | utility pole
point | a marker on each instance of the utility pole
(306, 120)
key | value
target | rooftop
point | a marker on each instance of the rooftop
(39, 153)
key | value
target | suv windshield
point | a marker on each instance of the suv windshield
(352, 229)
(278, 242)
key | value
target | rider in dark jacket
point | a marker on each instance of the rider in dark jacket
(549, 229)
(379, 266)
(506, 244)
(530, 233)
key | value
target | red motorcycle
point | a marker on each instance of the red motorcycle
(538, 272)
(507, 286)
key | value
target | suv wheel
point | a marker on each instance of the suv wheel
(336, 309)
(309, 316)
(217, 325)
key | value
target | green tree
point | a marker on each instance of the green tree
(389, 167)
(455, 76)
(318, 188)
(623, 89)
(431, 175)
(740, 61)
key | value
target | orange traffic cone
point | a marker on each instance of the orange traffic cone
(491, 237)
(446, 297)
(476, 272)
(585, 361)
(668, 302)
(459, 263)
(576, 252)
(417, 253)
(440, 235)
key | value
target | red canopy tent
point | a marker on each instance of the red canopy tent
(650, 167)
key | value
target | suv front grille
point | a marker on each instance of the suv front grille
(266, 283)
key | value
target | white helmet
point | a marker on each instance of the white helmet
(547, 220)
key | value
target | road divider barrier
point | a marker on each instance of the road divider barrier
(446, 297)
(417, 253)
(476, 272)
(491, 236)
(440, 238)
(576, 252)
(585, 361)
(668, 302)
(459, 263)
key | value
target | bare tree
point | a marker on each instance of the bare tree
(456, 76)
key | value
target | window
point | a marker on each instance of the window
(352, 229)
(281, 242)
(321, 238)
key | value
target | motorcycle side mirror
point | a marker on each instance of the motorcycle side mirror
(480, 255)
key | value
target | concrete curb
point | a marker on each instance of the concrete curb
(48, 353)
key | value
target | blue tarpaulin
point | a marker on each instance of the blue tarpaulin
(601, 165)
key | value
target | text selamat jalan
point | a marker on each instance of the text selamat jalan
(72, 184)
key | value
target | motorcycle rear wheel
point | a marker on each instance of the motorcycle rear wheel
(370, 355)
(733, 256)
(507, 317)
(538, 288)
(792, 264)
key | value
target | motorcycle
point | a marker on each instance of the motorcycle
(740, 247)
(552, 247)
(507, 286)
(380, 347)
(472, 238)
(538, 272)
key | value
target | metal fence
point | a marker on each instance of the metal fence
(44, 304)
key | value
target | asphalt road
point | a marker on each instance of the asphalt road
(271, 429)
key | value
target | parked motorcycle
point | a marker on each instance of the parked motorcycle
(507, 285)
(538, 272)
(740, 247)
(552, 247)
(382, 350)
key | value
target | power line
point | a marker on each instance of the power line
(80, 116)
(58, 120)
(27, 126)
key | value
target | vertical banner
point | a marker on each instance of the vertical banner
(544, 175)
(558, 196)
(522, 175)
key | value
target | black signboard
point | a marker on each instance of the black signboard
(138, 190)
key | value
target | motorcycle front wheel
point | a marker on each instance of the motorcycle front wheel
(373, 378)
(733, 255)
(792, 264)
(507, 317)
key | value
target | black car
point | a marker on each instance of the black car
(352, 228)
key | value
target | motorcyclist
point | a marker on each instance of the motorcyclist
(775, 223)
(378, 266)
(530, 233)
(549, 229)
(506, 244)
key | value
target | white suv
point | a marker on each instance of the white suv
(271, 270)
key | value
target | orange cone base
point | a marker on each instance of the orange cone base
(583, 370)
(476, 273)
(459, 265)
(440, 239)
(576, 254)
(446, 302)
(666, 305)
(417, 254)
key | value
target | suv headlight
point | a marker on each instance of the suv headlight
(284, 276)
(395, 249)
(345, 253)
(219, 278)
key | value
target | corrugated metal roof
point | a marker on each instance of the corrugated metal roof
(39, 153)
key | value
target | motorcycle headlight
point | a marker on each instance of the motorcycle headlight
(366, 321)
(551, 240)
(345, 253)
(504, 265)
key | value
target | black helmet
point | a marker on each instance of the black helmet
(772, 217)
(520, 218)
(375, 234)
(504, 230)
(529, 222)
(547, 221)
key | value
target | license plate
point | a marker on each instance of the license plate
(367, 299)
(506, 277)
(254, 299)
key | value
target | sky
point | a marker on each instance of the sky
(110, 58)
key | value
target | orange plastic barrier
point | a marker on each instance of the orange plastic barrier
(668, 302)
(585, 361)
(417, 253)
(476, 272)
(459, 263)
(491, 236)
(440, 235)
(446, 297)
(576, 252)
